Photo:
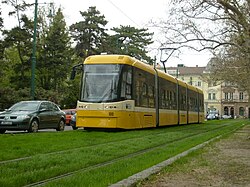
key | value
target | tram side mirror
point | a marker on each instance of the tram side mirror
(73, 74)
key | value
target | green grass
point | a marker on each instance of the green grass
(56, 153)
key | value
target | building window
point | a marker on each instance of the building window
(214, 96)
(211, 96)
(241, 111)
(191, 80)
(226, 96)
(199, 83)
(241, 96)
(231, 96)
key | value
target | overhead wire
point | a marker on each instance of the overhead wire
(120, 10)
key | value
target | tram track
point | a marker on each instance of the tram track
(115, 160)
(93, 145)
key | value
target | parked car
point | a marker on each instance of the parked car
(69, 113)
(31, 116)
(213, 115)
(73, 122)
(226, 116)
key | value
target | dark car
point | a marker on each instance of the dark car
(73, 122)
(31, 116)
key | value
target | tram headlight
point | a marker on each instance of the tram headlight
(110, 107)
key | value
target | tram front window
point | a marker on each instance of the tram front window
(100, 83)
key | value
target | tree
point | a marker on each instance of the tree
(1, 44)
(17, 9)
(20, 38)
(130, 41)
(90, 33)
(221, 26)
(1, 19)
(54, 56)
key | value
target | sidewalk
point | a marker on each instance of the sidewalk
(223, 163)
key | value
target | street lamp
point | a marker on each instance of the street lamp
(33, 59)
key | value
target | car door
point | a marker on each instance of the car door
(44, 115)
(54, 115)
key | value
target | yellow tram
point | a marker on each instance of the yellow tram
(118, 91)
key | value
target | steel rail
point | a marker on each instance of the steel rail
(131, 155)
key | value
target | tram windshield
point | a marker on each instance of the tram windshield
(100, 83)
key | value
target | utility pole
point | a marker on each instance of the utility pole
(33, 59)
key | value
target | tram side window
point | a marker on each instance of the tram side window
(163, 94)
(191, 104)
(137, 93)
(140, 88)
(196, 104)
(163, 99)
(151, 96)
(174, 105)
(191, 100)
(183, 102)
(144, 95)
(126, 85)
(168, 96)
(201, 103)
(144, 88)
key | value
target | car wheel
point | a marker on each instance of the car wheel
(34, 126)
(74, 127)
(2, 131)
(61, 125)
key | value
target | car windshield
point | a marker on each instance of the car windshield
(24, 106)
(213, 112)
(100, 82)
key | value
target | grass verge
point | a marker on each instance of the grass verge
(54, 154)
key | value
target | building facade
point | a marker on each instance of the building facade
(234, 101)
(225, 98)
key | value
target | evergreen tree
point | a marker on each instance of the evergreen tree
(1, 19)
(90, 33)
(131, 41)
(20, 38)
(54, 55)
(1, 44)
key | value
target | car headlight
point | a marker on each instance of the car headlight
(23, 117)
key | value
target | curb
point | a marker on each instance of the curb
(132, 180)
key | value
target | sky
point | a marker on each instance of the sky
(136, 13)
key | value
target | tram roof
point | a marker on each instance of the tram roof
(118, 59)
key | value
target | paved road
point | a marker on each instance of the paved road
(67, 128)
